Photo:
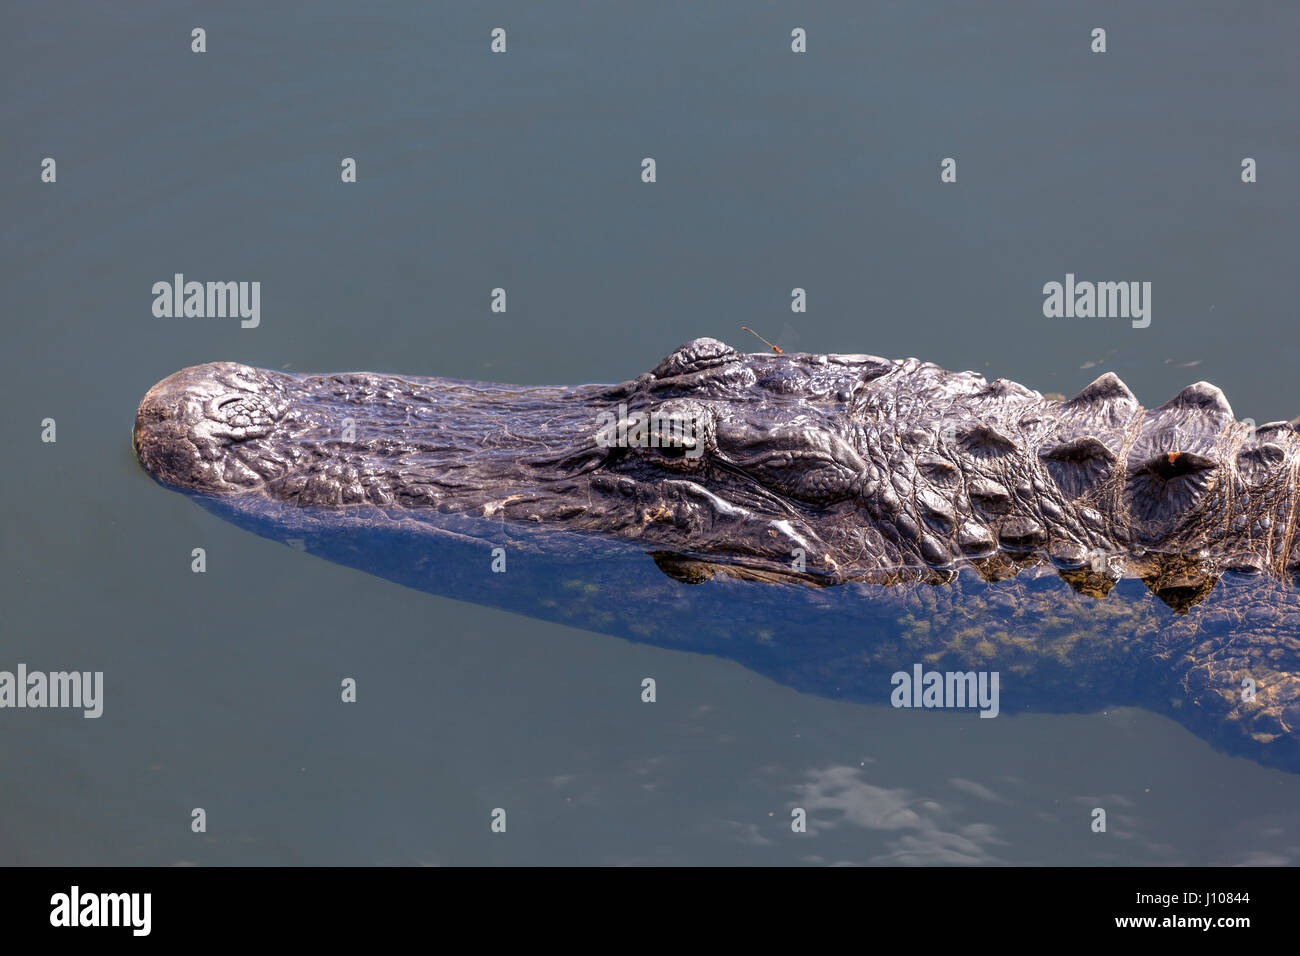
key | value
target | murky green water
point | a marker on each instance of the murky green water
(522, 171)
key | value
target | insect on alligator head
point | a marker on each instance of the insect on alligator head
(829, 467)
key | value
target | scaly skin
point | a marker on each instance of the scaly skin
(865, 464)
(845, 470)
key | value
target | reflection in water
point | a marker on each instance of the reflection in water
(923, 832)
(1225, 664)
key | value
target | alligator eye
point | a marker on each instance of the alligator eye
(674, 453)
(694, 356)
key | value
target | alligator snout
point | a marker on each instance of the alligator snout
(186, 423)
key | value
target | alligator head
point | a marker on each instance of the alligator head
(827, 466)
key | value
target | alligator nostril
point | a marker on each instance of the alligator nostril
(186, 422)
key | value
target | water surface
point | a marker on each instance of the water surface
(522, 171)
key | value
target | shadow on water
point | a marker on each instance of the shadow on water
(1220, 656)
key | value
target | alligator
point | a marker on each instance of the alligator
(937, 516)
